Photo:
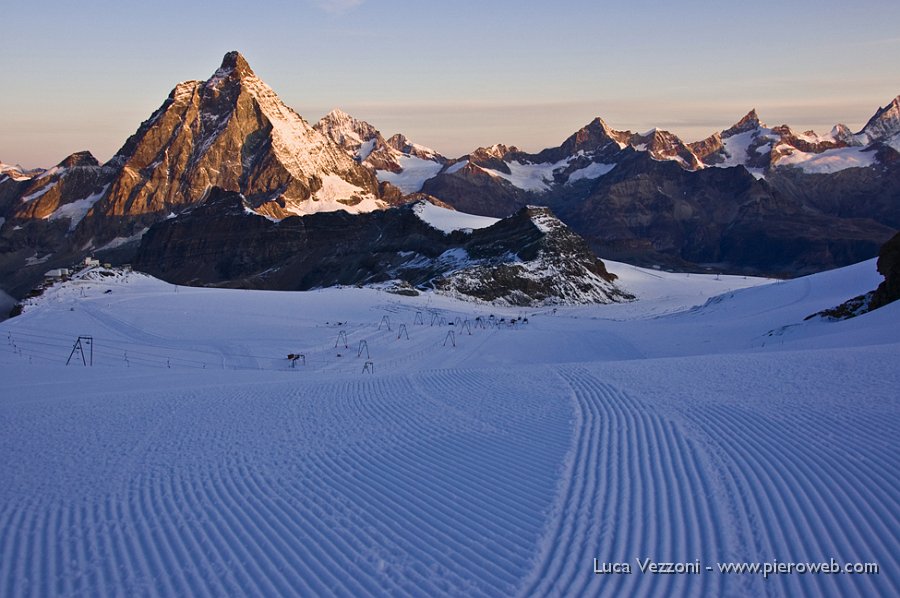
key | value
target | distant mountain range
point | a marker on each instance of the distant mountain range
(748, 199)
(751, 198)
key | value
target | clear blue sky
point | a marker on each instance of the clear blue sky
(450, 75)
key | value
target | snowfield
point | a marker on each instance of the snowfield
(448, 221)
(415, 171)
(426, 446)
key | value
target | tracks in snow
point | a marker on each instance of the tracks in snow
(634, 487)
(721, 484)
(460, 482)
(365, 487)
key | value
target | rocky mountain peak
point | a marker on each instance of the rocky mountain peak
(749, 122)
(841, 132)
(664, 145)
(234, 62)
(498, 150)
(884, 123)
(83, 158)
(338, 116)
(234, 132)
(348, 132)
(708, 150)
(399, 142)
(597, 131)
(595, 138)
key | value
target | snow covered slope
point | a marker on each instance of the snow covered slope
(448, 221)
(475, 451)
(395, 160)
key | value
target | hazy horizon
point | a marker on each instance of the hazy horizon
(520, 73)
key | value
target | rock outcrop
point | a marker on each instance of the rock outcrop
(888, 291)
(889, 267)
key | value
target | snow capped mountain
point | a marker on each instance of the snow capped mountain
(17, 173)
(695, 205)
(663, 145)
(760, 149)
(596, 148)
(544, 263)
(884, 126)
(447, 220)
(644, 196)
(232, 131)
(357, 137)
(396, 160)
(67, 190)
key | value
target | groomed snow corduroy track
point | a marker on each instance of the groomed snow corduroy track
(449, 482)
(531, 453)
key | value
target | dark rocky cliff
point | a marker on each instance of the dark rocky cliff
(529, 258)
(889, 267)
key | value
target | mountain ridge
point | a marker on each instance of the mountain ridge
(529, 258)
(233, 132)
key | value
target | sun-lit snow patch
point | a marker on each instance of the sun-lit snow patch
(32, 196)
(56, 170)
(300, 148)
(185, 90)
(894, 142)
(450, 220)
(421, 149)
(737, 149)
(334, 188)
(365, 149)
(829, 161)
(528, 176)
(77, 210)
(119, 241)
(545, 222)
(251, 212)
(415, 171)
(456, 167)
(457, 256)
(591, 171)
(335, 194)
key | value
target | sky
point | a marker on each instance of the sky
(452, 76)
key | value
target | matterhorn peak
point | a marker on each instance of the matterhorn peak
(234, 61)
(234, 68)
